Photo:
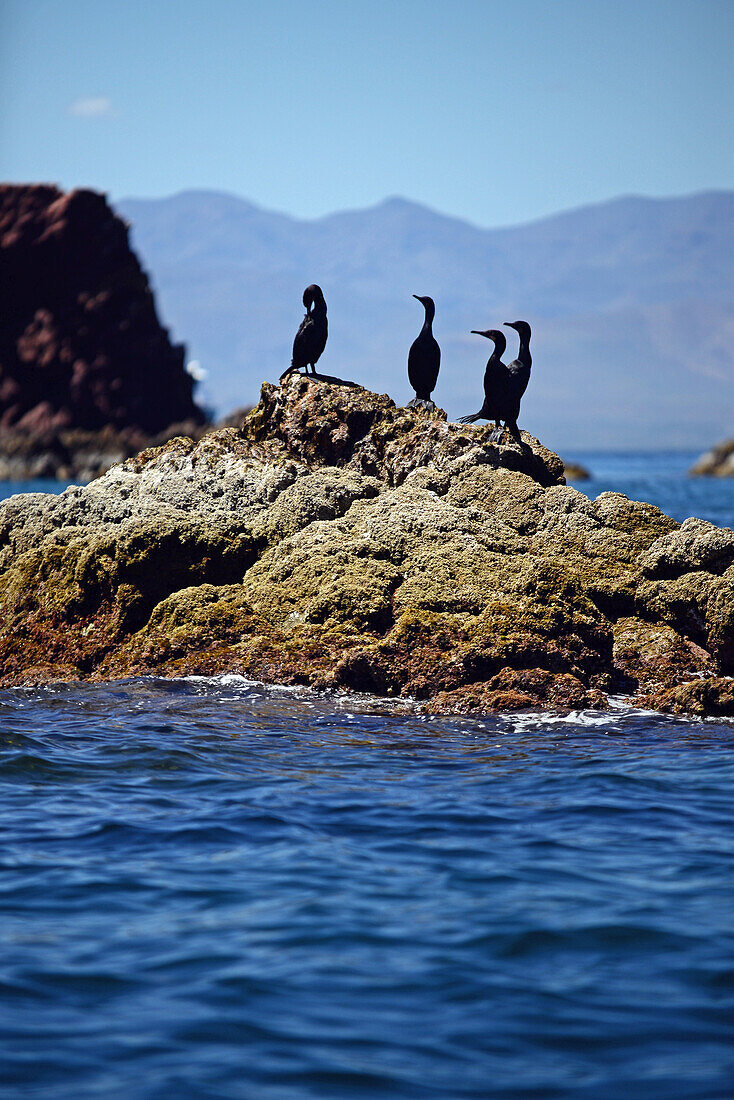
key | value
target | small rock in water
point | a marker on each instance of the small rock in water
(574, 471)
(718, 462)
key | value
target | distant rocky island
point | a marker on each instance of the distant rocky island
(574, 471)
(718, 462)
(88, 375)
(338, 542)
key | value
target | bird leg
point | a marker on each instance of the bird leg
(514, 431)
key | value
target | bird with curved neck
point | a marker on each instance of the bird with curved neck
(494, 374)
(310, 340)
(517, 376)
(424, 359)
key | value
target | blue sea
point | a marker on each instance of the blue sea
(212, 888)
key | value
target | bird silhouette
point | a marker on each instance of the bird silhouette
(310, 340)
(424, 359)
(517, 376)
(494, 380)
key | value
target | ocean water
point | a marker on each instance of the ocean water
(40, 485)
(212, 888)
(660, 478)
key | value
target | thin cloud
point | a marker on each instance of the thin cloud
(91, 107)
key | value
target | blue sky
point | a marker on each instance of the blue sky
(496, 112)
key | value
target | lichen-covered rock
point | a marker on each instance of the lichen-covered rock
(338, 541)
(694, 546)
(713, 698)
(654, 656)
(346, 425)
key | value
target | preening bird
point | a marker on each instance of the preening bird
(517, 376)
(424, 359)
(494, 380)
(310, 340)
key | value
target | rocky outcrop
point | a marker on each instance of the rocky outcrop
(718, 462)
(337, 541)
(81, 347)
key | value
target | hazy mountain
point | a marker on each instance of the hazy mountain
(631, 303)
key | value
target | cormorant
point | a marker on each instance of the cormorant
(494, 378)
(424, 359)
(517, 376)
(310, 340)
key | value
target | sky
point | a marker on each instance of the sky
(497, 112)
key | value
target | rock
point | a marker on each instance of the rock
(337, 541)
(574, 471)
(718, 462)
(712, 698)
(75, 454)
(695, 545)
(81, 346)
(656, 657)
(346, 425)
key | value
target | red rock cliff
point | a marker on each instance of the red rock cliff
(81, 345)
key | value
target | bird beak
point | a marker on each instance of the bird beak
(508, 324)
(476, 332)
(417, 296)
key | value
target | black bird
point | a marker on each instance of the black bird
(310, 340)
(424, 359)
(517, 376)
(494, 380)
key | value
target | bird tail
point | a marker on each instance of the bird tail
(470, 419)
(287, 371)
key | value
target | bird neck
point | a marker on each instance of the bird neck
(430, 314)
(524, 353)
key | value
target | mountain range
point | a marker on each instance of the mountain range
(631, 303)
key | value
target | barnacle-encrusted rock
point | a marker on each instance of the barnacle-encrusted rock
(712, 697)
(338, 541)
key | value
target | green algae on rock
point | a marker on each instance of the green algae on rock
(337, 541)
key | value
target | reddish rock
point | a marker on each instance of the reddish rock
(81, 346)
(519, 689)
(653, 656)
(713, 697)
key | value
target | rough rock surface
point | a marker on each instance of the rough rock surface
(338, 541)
(81, 347)
(718, 462)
